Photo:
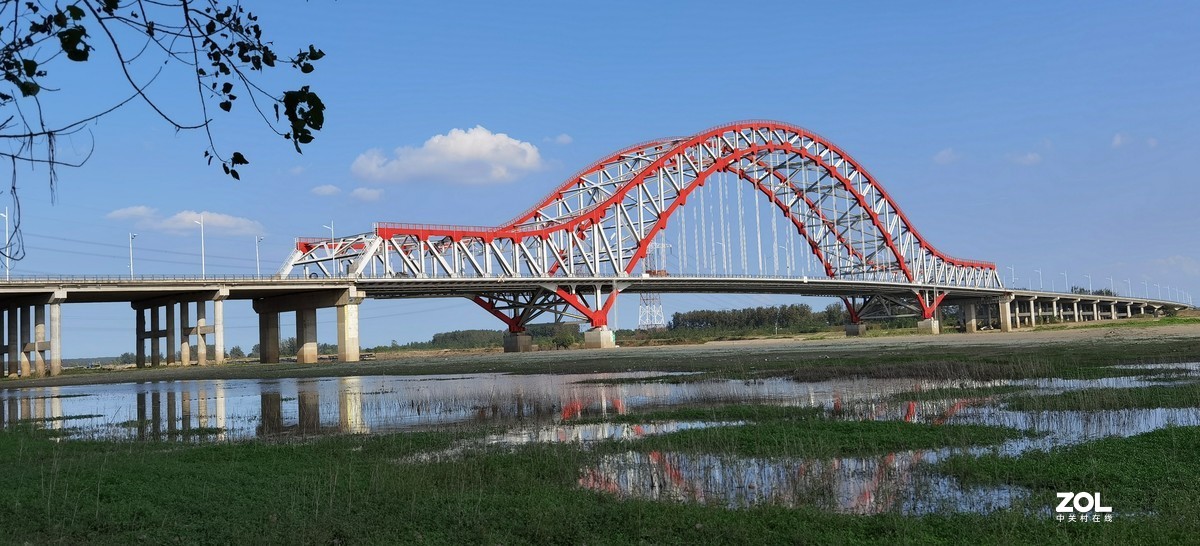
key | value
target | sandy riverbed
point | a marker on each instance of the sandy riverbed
(635, 357)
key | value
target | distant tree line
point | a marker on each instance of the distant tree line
(791, 318)
(1096, 292)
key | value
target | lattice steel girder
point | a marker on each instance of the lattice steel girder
(600, 222)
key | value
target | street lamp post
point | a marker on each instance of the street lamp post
(1066, 283)
(1146, 286)
(1089, 278)
(257, 267)
(1159, 288)
(1040, 285)
(1129, 287)
(201, 222)
(1012, 276)
(1112, 287)
(330, 228)
(132, 236)
(7, 251)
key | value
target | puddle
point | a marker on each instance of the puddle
(892, 483)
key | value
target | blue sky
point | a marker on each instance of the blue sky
(1052, 136)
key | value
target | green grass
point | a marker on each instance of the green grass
(1185, 395)
(1153, 473)
(357, 490)
(776, 431)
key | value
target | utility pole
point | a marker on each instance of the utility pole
(257, 268)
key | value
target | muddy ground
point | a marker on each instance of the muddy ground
(1092, 337)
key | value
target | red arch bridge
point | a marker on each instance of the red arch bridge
(749, 207)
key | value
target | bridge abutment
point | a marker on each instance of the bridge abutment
(929, 326)
(853, 329)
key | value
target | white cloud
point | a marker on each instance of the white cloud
(137, 212)
(367, 194)
(185, 221)
(1180, 263)
(476, 155)
(563, 139)
(326, 189)
(945, 156)
(1030, 158)
(1119, 140)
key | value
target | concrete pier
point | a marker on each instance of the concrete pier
(599, 338)
(346, 301)
(518, 342)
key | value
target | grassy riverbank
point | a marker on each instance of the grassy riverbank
(368, 489)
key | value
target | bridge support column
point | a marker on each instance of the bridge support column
(39, 340)
(268, 337)
(11, 340)
(155, 353)
(599, 338)
(218, 331)
(306, 336)
(347, 325)
(25, 331)
(1095, 310)
(854, 330)
(171, 328)
(185, 334)
(1034, 308)
(1112, 310)
(1006, 318)
(1075, 314)
(969, 317)
(929, 326)
(518, 342)
(139, 358)
(202, 331)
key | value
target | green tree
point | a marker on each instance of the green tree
(237, 352)
(215, 47)
(835, 314)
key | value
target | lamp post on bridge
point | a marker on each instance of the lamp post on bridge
(7, 253)
(257, 267)
(1159, 288)
(1129, 287)
(201, 222)
(1040, 285)
(1112, 287)
(1066, 283)
(1012, 276)
(330, 228)
(1089, 278)
(1146, 285)
(132, 236)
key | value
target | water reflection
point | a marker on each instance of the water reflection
(238, 409)
(869, 485)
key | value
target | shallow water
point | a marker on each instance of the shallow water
(240, 409)
(542, 408)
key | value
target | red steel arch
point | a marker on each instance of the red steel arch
(601, 221)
